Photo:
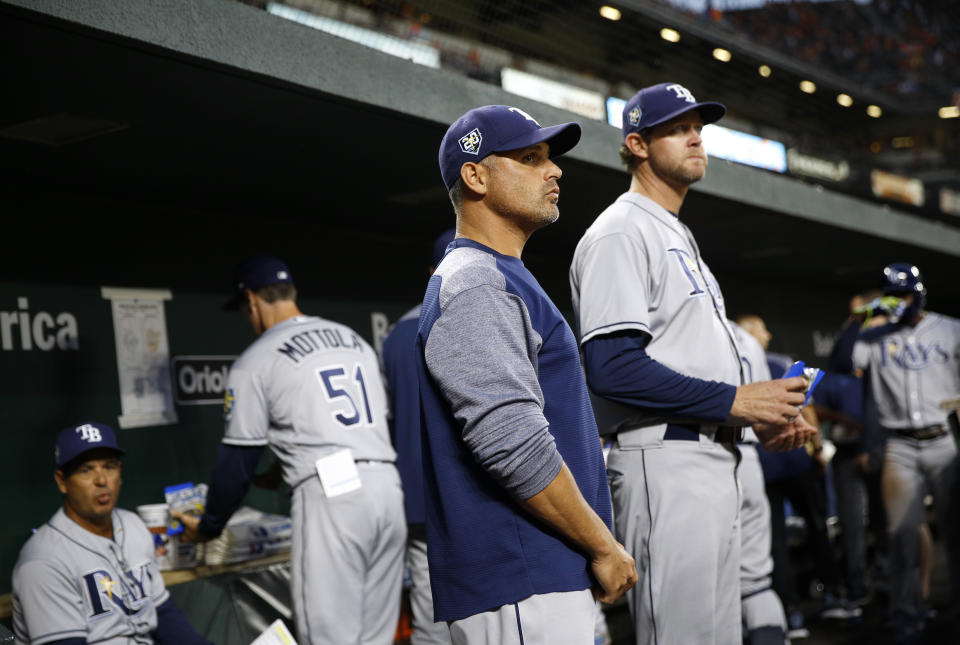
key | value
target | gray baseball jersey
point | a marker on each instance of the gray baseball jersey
(71, 583)
(638, 268)
(676, 503)
(306, 387)
(912, 370)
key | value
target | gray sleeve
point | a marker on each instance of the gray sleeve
(482, 353)
(50, 603)
(611, 278)
(246, 414)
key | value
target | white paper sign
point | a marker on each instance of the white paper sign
(143, 356)
(338, 473)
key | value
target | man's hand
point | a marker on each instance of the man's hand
(190, 526)
(616, 573)
(768, 402)
(784, 437)
(561, 505)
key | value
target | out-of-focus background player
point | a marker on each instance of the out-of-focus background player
(913, 363)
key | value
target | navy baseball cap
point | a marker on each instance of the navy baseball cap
(498, 128)
(441, 243)
(255, 273)
(83, 437)
(659, 103)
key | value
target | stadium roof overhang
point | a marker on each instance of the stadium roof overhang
(237, 119)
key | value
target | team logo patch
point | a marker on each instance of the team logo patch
(470, 142)
(634, 115)
(229, 398)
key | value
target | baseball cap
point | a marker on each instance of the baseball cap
(441, 243)
(498, 128)
(659, 103)
(83, 437)
(255, 273)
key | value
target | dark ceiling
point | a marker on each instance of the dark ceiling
(213, 162)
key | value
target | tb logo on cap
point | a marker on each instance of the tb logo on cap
(682, 93)
(89, 433)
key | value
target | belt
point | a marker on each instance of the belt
(921, 434)
(691, 432)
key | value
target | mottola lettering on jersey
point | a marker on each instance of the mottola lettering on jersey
(306, 342)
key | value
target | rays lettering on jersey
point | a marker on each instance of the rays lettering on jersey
(697, 279)
(690, 270)
(301, 345)
(126, 593)
(914, 356)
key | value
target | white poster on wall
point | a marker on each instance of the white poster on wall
(143, 356)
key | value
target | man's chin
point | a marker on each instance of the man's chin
(104, 510)
(547, 220)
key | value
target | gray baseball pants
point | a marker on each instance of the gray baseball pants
(562, 618)
(676, 508)
(763, 613)
(911, 469)
(347, 559)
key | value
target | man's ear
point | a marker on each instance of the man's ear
(253, 302)
(475, 176)
(61, 480)
(637, 145)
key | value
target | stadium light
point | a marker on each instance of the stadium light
(949, 112)
(722, 55)
(808, 87)
(844, 100)
(765, 71)
(671, 35)
(610, 13)
(874, 111)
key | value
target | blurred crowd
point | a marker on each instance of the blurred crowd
(908, 48)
